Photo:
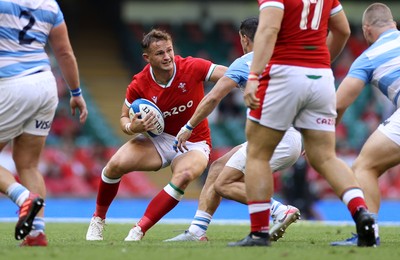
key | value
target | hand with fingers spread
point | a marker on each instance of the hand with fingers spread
(181, 138)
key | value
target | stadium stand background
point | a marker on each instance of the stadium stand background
(106, 39)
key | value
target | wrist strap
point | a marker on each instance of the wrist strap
(253, 76)
(189, 126)
(252, 79)
(75, 92)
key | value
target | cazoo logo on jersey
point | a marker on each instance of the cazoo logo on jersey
(177, 110)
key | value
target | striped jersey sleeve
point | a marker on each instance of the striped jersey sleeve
(380, 65)
(24, 30)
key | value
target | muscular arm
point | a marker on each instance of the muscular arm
(347, 92)
(212, 99)
(265, 38)
(339, 33)
(264, 43)
(60, 44)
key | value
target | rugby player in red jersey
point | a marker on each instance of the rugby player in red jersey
(291, 83)
(175, 85)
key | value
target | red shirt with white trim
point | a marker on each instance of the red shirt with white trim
(302, 37)
(179, 98)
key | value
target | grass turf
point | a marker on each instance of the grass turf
(304, 240)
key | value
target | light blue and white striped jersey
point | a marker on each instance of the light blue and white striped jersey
(380, 65)
(239, 70)
(24, 29)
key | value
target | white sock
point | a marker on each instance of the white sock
(200, 223)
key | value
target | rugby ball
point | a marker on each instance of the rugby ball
(144, 106)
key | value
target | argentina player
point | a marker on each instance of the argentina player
(378, 65)
(29, 99)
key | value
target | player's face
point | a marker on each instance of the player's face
(161, 55)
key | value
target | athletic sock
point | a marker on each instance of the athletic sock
(200, 223)
(38, 226)
(108, 189)
(354, 200)
(160, 205)
(259, 216)
(17, 193)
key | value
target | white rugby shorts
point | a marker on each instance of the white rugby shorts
(285, 155)
(391, 127)
(28, 105)
(164, 145)
(298, 96)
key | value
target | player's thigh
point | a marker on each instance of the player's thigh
(319, 145)
(27, 149)
(188, 166)
(378, 154)
(262, 140)
(138, 154)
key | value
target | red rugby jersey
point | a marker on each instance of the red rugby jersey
(179, 99)
(302, 37)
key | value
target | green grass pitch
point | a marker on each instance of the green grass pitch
(303, 240)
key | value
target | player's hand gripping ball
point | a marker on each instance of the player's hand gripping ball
(144, 106)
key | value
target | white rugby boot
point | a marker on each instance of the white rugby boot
(282, 220)
(95, 230)
(135, 234)
(187, 236)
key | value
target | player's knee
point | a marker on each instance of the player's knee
(362, 168)
(113, 170)
(183, 178)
